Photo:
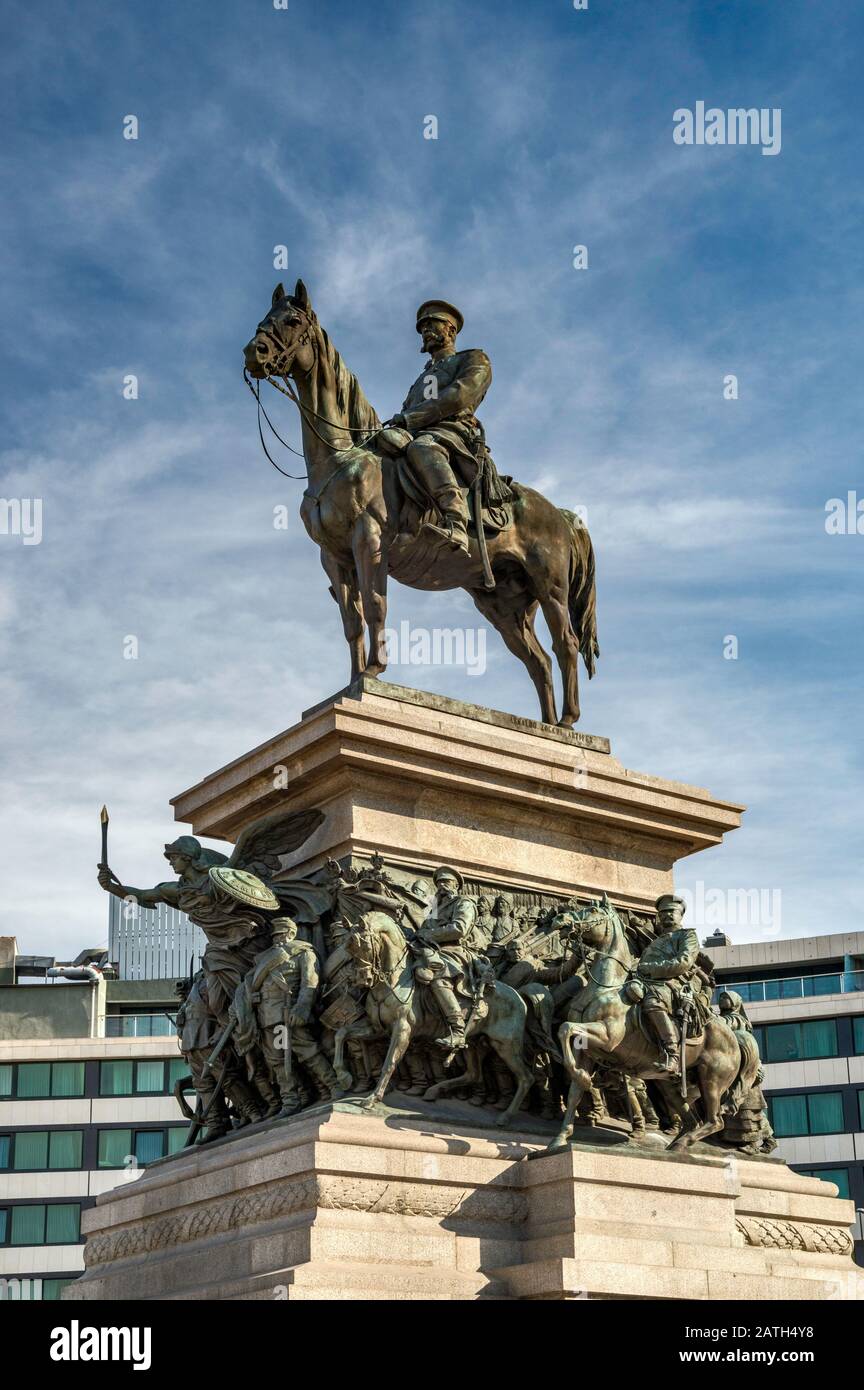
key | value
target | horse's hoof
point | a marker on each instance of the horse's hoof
(345, 1080)
(503, 1120)
(431, 1094)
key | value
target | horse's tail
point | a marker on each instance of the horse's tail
(539, 1021)
(583, 590)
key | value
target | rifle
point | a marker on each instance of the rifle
(224, 1039)
(288, 1063)
(200, 1116)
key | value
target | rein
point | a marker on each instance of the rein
(374, 962)
(598, 955)
(306, 412)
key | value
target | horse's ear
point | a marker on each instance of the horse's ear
(301, 294)
(278, 293)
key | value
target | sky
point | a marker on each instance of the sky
(303, 127)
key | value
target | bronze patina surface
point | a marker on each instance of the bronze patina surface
(419, 498)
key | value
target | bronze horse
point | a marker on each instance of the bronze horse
(395, 1010)
(353, 508)
(600, 1025)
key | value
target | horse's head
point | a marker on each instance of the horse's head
(589, 926)
(283, 340)
(377, 947)
(361, 948)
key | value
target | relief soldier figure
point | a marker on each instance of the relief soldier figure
(228, 897)
(384, 940)
(281, 987)
(445, 959)
(198, 1033)
(749, 1130)
(673, 980)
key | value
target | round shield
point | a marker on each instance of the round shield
(245, 887)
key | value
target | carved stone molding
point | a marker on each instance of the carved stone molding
(786, 1235)
(437, 1201)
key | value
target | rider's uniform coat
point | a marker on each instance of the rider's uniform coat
(666, 963)
(463, 379)
(447, 933)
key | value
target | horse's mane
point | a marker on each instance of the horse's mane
(350, 397)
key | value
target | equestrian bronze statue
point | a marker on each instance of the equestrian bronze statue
(419, 498)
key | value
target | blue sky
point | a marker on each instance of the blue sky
(305, 127)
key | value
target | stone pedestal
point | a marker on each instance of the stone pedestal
(424, 780)
(339, 1204)
(413, 1203)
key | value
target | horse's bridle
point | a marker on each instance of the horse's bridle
(282, 365)
(578, 938)
(373, 964)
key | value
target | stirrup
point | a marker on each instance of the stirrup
(455, 534)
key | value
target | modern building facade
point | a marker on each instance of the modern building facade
(87, 1073)
(805, 1000)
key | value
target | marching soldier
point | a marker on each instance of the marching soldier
(198, 1032)
(282, 986)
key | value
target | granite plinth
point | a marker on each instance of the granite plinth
(342, 1204)
(424, 780)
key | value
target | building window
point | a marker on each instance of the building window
(177, 1138)
(40, 1080)
(861, 1109)
(115, 1146)
(53, 1223)
(798, 1042)
(118, 1146)
(139, 1078)
(155, 1025)
(39, 1149)
(177, 1068)
(819, 1112)
(115, 1078)
(52, 1289)
(5, 1150)
(4, 1224)
(150, 1077)
(858, 1034)
(838, 1175)
(27, 1289)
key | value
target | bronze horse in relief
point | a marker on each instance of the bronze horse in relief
(354, 510)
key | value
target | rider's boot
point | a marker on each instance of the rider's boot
(454, 510)
(667, 1036)
(449, 1007)
(431, 463)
